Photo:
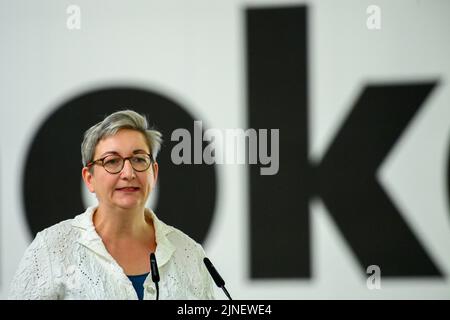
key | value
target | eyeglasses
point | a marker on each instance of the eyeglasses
(114, 163)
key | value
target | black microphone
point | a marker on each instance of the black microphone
(155, 273)
(216, 276)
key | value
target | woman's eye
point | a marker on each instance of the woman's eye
(112, 161)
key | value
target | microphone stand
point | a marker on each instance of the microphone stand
(226, 292)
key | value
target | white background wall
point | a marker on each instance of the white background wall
(194, 52)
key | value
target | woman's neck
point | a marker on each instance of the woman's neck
(121, 224)
(128, 235)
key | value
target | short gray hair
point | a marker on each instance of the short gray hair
(125, 119)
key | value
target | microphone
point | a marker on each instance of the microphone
(155, 273)
(216, 276)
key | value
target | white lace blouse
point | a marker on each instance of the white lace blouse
(70, 261)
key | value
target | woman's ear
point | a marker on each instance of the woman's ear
(88, 179)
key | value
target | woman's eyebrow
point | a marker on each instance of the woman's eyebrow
(137, 151)
(140, 151)
(108, 152)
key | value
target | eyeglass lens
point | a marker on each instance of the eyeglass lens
(115, 163)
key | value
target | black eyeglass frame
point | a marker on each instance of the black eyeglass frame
(90, 164)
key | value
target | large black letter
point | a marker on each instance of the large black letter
(346, 177)
(348, 185)
(277, 98)
(52, 190)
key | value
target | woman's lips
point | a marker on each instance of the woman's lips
(128, 189)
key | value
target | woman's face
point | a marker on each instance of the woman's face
(127, 189)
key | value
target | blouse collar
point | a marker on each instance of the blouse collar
(90, 238)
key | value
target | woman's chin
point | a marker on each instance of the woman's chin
(128, 205)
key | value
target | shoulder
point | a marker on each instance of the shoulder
(176, 238)
(189, 255)
(63, 233)
(180, 238)
(58, 228)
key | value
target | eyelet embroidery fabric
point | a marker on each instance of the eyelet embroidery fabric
(69, 261)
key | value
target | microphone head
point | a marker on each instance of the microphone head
(154, 268)
(213, 272)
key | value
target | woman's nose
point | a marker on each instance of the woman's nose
(128, 171)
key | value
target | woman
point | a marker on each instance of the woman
(103, 253)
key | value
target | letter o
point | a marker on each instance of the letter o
(52, 173)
